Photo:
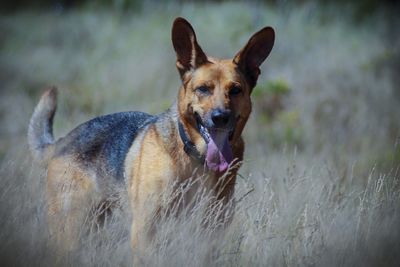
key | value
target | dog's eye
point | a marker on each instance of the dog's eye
(203, 90)
(235, 90)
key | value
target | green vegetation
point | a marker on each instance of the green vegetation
(277, 87)
(279, 122)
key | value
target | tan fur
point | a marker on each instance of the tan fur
(151, 170)
(70, 193)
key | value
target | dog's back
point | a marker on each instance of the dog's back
(100, 144)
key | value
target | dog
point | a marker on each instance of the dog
(199, 135)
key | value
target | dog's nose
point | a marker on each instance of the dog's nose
(220, 117)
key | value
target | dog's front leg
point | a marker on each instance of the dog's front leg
(150, 171)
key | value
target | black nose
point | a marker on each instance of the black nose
(220, 117)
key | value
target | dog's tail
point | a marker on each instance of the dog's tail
(40, 132)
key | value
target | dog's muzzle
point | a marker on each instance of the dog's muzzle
(217, 132)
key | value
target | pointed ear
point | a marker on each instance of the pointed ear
(188, 52)
(254, 53)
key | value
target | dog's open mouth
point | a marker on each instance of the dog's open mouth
(219, 152)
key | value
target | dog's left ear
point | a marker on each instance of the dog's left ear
(254, 53)
(188, 52)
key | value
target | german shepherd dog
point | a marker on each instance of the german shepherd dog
(199, 135)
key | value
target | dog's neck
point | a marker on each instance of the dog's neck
(188, 145)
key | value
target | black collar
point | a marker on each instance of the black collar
(188, 145)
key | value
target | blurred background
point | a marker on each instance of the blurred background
(326, 109)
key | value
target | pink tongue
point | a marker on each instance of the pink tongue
(219, 152)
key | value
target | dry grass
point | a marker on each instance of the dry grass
(320, 183)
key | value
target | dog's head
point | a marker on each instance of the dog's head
(214, 101)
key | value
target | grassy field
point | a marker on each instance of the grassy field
(320, 182)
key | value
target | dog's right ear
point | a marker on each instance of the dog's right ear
(188, 52)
